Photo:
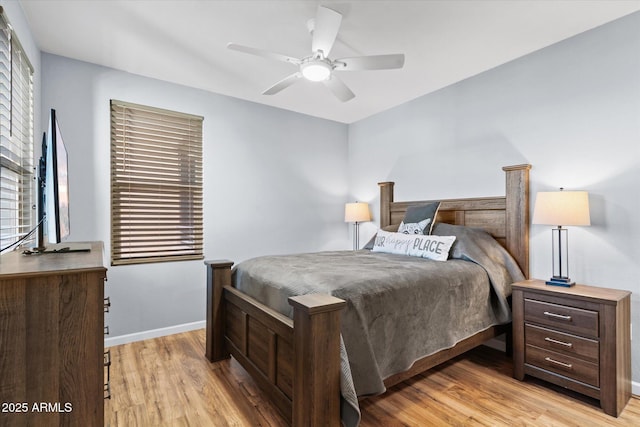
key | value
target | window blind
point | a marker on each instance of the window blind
(156, 185)
(17, 186)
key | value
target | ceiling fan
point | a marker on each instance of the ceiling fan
(317, 67)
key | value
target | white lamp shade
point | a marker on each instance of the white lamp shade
(316, 71)
(562, 208)
(356, 212)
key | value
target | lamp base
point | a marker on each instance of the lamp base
(560, 281)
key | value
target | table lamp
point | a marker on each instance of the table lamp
(356, 212)
(561, 208)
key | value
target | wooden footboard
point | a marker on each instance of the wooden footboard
(296, 362)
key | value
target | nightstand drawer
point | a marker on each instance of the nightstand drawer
(562, 364)
(570, 345)
(565, 318)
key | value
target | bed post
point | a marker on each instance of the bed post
(316, 374)
(517, 214)
(218, 276)
(386, 197)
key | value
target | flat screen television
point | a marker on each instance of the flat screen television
(56, 194)
(53, 190)
(53, 196)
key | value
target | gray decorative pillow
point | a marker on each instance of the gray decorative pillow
(416, 214)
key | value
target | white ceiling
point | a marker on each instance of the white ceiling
(184, 41)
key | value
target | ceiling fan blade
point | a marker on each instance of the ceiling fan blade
(374, 62)
(339, 89)
(283, 84)
(327, 24)
(263, 53)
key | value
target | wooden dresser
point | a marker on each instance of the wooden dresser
(51, 338)
(577, 337)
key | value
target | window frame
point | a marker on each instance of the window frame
(17, 172)
(156, 185)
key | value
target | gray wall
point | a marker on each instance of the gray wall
(274, 182)
(571, 110)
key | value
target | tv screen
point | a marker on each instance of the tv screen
(56, 184)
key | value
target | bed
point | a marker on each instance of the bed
(298, 357)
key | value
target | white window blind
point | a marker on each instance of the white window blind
(17, 186)
(156, 185)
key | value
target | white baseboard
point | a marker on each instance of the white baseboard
(635, 388)
(154, 333)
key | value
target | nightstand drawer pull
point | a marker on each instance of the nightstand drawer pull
(557, 316)
(566, 365)
(566, 344)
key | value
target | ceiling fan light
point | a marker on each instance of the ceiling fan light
(316, 71)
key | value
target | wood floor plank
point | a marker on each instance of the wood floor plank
(167, 381)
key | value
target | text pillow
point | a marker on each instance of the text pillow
(392, 228)
(418, 245)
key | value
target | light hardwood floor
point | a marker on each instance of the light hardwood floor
(168, 382)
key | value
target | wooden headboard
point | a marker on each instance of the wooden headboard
(506, 218)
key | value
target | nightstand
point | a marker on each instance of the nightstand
(577, 337)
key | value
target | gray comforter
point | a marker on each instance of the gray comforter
(399, 308)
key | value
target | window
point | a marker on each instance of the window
(17, 195)
(156, 185)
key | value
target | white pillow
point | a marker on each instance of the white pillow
(432, 247)
(414, 227)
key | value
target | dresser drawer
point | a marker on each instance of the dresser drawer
(568, 366)
(562, 317)
(570, 345)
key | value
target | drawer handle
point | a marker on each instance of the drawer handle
(566, 344)
(565, 365)
(557, 316)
